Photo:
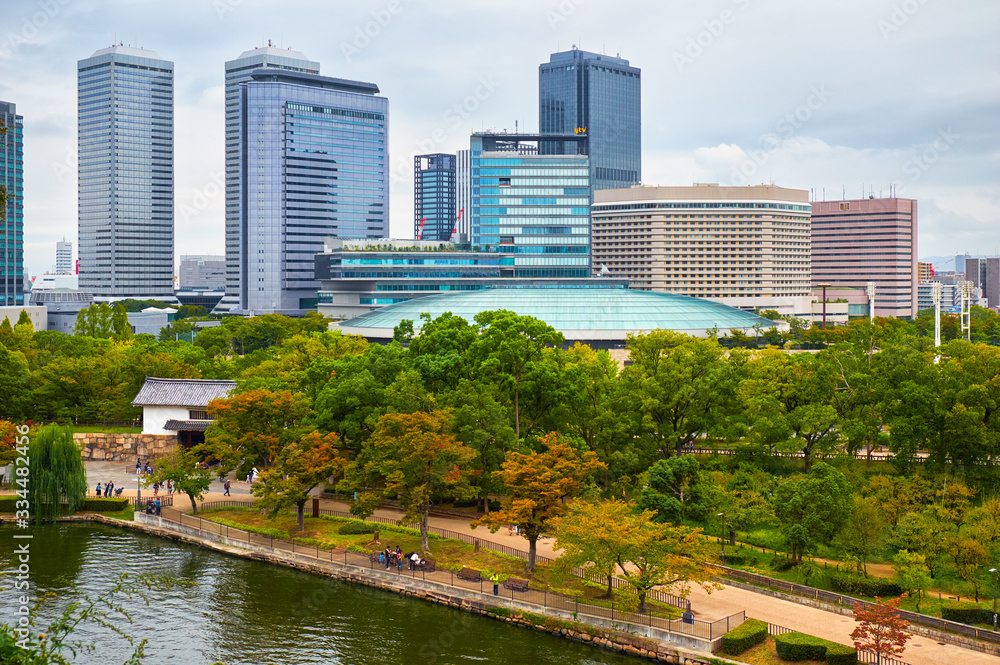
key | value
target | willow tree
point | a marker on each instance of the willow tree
(56, 473)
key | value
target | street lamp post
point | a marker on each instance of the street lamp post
(138, 491)
(723, 516)
(994, 571)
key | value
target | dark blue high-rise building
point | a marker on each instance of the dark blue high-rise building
(434, 196)
(12, 221)
(581, 92)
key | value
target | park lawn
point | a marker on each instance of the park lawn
(127, 514)
(104, 429)
(765, 654)
(448, 554)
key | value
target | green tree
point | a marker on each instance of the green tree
(414, 458)
(301, 466)
(25, 320)
(507, 347)
(95, 321)
(864, 531)
(679, 386)
(648, 554)
(672, 488)
(912, 574)
(538, 485)
(439, 351)
(56, 472)
(183, 469)
(15, 385)
(121, 330)
(813, 508)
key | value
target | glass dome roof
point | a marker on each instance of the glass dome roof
(614, 312)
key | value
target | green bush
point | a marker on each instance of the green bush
(969, 613)
(781, 564)
(8, 505)
(748, 634)
(799, 646)
(354, 528)
(864, 586)
(735, 560)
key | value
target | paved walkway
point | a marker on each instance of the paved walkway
(708, 607)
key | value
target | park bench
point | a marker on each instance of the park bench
(470, 575)
(427, 566)
(515, 584)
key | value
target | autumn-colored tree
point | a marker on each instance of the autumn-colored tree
(880, 629)
(647, 554)
(414, 458)
(185, 473)
(538, 485)
(252, 428)
(301, 466)
(8, 442)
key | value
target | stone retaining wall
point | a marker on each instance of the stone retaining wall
(125, 447)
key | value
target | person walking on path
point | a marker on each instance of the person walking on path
(170, 488)
(138, 466)
(496, 584)
(227, 488)
(98, 489)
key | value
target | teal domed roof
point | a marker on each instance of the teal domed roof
(579, 313)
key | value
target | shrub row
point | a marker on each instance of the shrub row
(864, 586)
(799, 646)
(969, 613)
(748, 634)
(381, 527)
(8, 505)
(781, 564)
(355, 528)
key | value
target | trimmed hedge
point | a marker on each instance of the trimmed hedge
(8, 505)
(864, 586)
(748, 634)
(969, 613)
(355, 528)
(799, 646)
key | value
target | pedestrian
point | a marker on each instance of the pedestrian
(156, 489)
(414, 560)
(387, 557)
(108, 486)
(98, 489)
(254, 473)
(227, 488)
(157, 504)
(496, 584)
(170, 488)
(138, 467)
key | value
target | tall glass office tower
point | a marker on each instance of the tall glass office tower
(12, 222)
(126, 173)
(534, 207)
(581, 92)
(434, 196)
(238, 71)
(313, 164)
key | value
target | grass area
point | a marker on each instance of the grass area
(765, 654)
(101, 429)
(127, 514)
(448, 554)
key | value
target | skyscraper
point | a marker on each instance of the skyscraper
(985, 276)
(126, 173)
(434, 196)
(313, 164)
(868, 240)
(64, 257)
(12, 221)
(238, 71)
(463, 195)
(600, 95)
(534, 207)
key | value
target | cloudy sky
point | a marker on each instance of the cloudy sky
(850, 95)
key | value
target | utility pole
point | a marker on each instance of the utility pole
(871, 302)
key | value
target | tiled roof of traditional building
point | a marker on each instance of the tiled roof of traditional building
(181, 392)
